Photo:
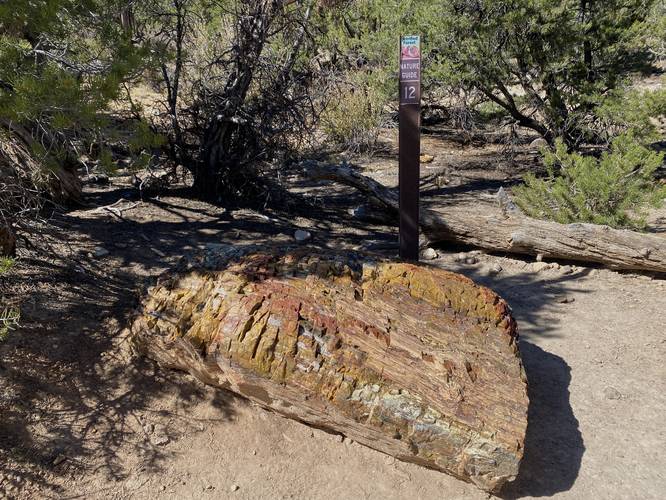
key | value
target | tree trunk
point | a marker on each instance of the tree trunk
(416, 362)
(506, 229)
(215, 167)
(7, 241)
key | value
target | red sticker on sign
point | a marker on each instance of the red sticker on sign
(410, 70)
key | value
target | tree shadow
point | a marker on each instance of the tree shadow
(73, 399)
(71, 392)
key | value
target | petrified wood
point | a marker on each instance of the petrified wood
(413, 361)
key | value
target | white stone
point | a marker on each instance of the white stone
(302, 235)
(429, 254)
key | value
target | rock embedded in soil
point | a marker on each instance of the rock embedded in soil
(414, 361)
(100, 252)
(300, 235)
(429, 254)
(612, 393)
(540, 266)
(495, 269)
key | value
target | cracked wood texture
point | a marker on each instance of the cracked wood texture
(413, 361)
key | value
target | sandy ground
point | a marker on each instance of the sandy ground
(81, 418)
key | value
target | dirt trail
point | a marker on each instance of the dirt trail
(80, 417)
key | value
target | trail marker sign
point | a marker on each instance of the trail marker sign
(409, 142)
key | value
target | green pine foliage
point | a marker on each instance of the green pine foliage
(614, 190)
(9, 316)
(548, 65)
(6, 263)
(61, 61)
(9, 320)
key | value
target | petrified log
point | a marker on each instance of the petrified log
(416, 362)
(505, 228)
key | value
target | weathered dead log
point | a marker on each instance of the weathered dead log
(413, 361)
(498, 228)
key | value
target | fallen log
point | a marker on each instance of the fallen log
(416, 362)
(502, 227)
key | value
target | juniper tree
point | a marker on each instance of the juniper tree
(61, 62)
(547, 64)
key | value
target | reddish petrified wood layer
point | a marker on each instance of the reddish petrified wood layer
(413, 361)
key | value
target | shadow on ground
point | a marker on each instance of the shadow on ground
(554, 445)
(69, 391)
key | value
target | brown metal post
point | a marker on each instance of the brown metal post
(410, 145)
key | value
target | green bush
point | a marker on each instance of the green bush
(6, 263)
(355, 119)
(615, 189)
(9, 319)
(9, 316)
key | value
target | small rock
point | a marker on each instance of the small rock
(540, 266)
(539, 143)
(235, 487)
(612, 393)
(427, 158)
(300, 235)
(461, 257)
(59, 459)
(148, 428)
(554, 265)
(339, 438)
(429, 254)
(566, 269)
(99, 179)
(565, 299)
(471, 260)
(539, 257)
(160, 440)
(495, 269)
(645, 252)
(100, 252)
(159, 437)
(359, 212)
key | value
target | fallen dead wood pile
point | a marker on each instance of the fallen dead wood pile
(502, 227)
(416, 362)
(26, 181)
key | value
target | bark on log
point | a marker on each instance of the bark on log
(504, 228)
(416, 362)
